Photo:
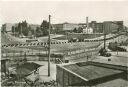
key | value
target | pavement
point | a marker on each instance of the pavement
(43, 71)
(120, 59)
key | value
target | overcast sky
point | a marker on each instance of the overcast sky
(63, 11)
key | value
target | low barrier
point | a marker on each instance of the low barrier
(45, 44)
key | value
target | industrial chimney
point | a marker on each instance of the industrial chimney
(87, 24)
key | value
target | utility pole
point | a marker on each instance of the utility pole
(104, 38)
(117, 43)
(49, 43)
(104, 41)
(117, 39)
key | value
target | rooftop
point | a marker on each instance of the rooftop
(26, 68)
(90, 71)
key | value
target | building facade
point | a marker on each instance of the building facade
(97, 27)
(69, 26)
(65, 26)
(88, 30)
(106, 26)
(57, 26)
(109, 27)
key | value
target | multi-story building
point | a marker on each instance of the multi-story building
(106, 26)
(88, 30)
(109, 27)
(97, 27)
(57, 26)
(82, 25)
(69, 26)
(65, 26)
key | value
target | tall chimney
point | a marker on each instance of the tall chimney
(87, 23)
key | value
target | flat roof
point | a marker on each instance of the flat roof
(90, 72)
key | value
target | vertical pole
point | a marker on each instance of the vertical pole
(49, 47)
(104, 40)
(87, 24)
(117, 44)
(34, 34)
(117, 41)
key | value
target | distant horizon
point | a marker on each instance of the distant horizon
(61, 22)
(34, 12)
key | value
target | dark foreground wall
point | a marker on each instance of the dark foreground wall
(66, 79)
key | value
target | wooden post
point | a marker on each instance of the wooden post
(104, 40)
(117, 44)
(49, 43)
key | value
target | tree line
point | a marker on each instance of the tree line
(23, 28)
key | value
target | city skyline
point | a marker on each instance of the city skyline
(35, 12)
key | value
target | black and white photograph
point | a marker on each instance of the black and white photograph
(64, 43)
